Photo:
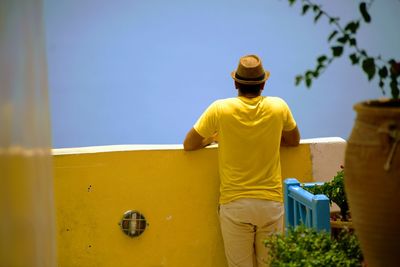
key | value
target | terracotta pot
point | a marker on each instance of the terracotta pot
(372, 166)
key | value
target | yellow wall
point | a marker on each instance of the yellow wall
(176, 191)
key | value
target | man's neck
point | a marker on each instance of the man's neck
(249, 95)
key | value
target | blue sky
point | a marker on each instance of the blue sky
(141, 72)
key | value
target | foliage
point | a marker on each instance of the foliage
(344, 37)
(307, 247)
(334, 190)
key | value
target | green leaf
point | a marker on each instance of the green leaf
(332, 35)
(291, 2)
(353, 42)
(305, 9)
(352, 26)
(308, 74)
(316, 8)
(364, 53)
(364, 12)
(318, 16)
(299, 79)
(368, 65)
(383, 72)
(343, 39)
(337, 51)
(308, 82)
(354, 59)
(322, 59)
(333, 20)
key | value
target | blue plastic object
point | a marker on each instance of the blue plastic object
(304, 208)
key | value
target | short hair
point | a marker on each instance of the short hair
(249, 88)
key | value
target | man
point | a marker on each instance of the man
(250, 129)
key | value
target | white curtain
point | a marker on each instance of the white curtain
(27, 223)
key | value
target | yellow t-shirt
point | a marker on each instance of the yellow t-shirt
(249, 134)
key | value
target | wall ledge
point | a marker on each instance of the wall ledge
(154, 147)
(323, 140)
(117, 148)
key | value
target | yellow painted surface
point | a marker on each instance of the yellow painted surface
(27, 222)
(176, 191)
(297, 163)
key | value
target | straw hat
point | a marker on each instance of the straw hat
(250, 71)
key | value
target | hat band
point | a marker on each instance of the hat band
(260, 78)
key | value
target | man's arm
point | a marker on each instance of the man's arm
(291, 138)
(194, 140)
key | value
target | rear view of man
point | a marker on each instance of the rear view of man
(250, 129)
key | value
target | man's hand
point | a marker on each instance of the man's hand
(194, 140)
(291, 138)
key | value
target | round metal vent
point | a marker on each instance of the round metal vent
(133, 223)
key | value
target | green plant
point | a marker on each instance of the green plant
(344, 37)
(334, 190)
(306, 247)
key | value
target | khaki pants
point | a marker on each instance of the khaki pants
(245, 224)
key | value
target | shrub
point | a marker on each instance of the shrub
(306, 247)
(334, 190)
